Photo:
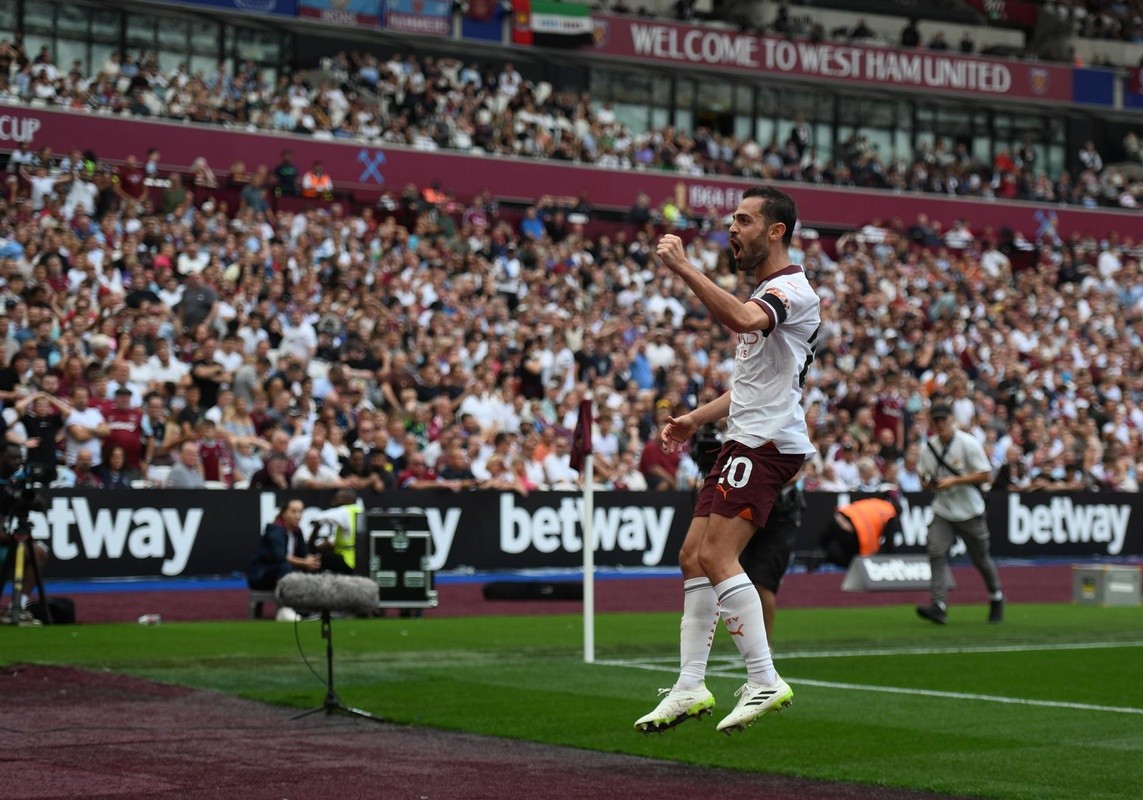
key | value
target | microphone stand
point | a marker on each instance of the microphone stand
(332, 703)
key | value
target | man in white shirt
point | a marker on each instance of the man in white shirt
(161, 368)
(299, 339)
(192, 259)
(312, 474)
(954, 466)
(80, 197)
(229, 355)
(86, 428)
(766, 444)
(557, 467)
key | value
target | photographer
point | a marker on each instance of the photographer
(281, 550)
(19, 495)
(334, 534)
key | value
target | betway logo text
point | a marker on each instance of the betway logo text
(895, 570)
(137, 532)
(1063, 522)
(631, 529)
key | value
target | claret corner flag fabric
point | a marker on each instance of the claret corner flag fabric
(581, 439)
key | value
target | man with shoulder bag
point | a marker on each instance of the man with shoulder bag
(955, 468)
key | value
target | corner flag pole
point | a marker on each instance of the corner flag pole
(583, 460)
(588, 559)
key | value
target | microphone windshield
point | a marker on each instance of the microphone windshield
(327, 591)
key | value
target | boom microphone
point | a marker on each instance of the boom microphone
(328, 592)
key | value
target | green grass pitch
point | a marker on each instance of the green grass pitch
(1048, 705)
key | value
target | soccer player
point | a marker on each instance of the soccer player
(766, 444)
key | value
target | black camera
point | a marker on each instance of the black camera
(21, 494)
(705, 444)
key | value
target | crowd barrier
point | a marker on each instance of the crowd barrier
(153, 533)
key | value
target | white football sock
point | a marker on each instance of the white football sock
(696, 631)
(741, 610)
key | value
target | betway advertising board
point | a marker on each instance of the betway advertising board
(659, 41)
(93, 534)
(367, 170)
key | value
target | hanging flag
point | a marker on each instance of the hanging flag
(521, 21)
(552, 23)
(581, 439)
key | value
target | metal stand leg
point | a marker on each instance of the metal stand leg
(22, 552)
(332, 703)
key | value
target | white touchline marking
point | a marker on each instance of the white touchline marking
(987, 698)
(668, 665)
(927, 651)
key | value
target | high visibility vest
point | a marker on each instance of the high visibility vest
(318, 185)
(869, 518)
(345, 541)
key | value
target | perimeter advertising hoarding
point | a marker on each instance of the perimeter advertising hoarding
(185, 533)
(915, 70)
(368, 169)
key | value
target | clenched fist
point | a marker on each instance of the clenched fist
(670, 250)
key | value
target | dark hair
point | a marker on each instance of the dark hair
(777, 206)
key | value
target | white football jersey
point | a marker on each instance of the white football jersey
(770, 366)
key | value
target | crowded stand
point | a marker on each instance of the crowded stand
(445, 104)
(187, 333)
(1101, 19)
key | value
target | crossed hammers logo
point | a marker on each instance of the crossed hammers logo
(371, 162)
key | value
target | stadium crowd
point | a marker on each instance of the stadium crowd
(432, 104)
(191, 335)
(1101, 19)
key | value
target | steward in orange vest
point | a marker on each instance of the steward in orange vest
(859, 529)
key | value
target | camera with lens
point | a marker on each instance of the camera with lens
(20, 489)
(705, 444)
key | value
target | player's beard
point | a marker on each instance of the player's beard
(749, 259)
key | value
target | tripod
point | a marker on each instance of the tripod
(22, 552)
(332, 702)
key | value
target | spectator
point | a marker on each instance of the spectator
(313, 474)
(1089, 157)
(187, 470)
(214, 455)
(41, 417)
(124, 430)
(286, 175)
(910, 35)
(84, 477)
(659, 467)
(114, 472)
(202, 176)
(86, 428)
(274, 475)
(417, 474)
